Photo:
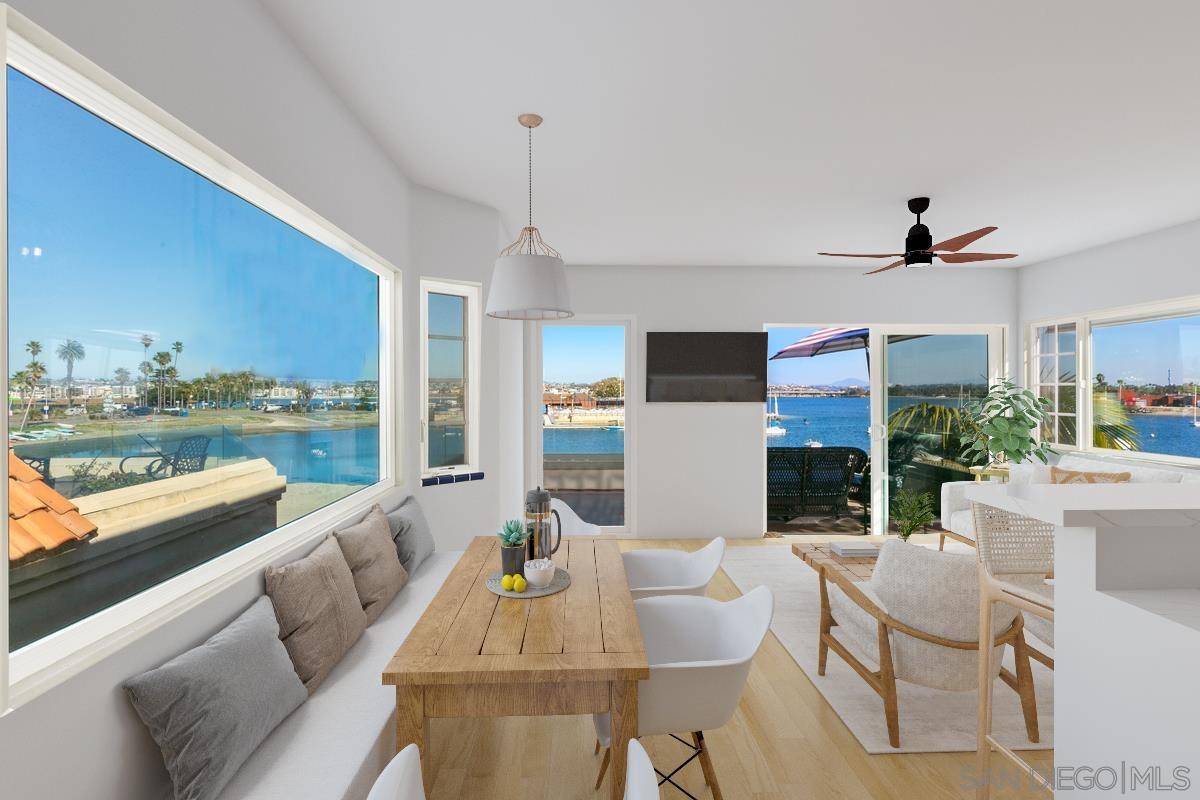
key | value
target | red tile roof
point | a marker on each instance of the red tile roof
(39, 518)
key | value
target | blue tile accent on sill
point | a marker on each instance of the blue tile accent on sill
(458, 477)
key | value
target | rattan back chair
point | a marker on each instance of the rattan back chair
(1016, 553)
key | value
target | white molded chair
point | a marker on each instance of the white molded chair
(401, 778)
(572, 523)
(658, 572)
(699, 650)
(640, 781)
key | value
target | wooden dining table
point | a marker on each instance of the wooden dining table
(475, 654)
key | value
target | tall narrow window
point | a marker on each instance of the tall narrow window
(449, 359)
(1055, 378)
(189, 371)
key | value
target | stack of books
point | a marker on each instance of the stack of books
(854, 549)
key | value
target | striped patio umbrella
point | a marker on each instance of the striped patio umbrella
(835, 340)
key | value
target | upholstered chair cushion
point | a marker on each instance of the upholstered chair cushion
(371, 555)
(933, 591)
(318, 608)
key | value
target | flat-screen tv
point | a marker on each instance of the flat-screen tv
(706, 367)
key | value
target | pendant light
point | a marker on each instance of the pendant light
(528, 280)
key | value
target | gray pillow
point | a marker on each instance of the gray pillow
(319, 613)
(209, 708)
(371, 556)
(410, 530)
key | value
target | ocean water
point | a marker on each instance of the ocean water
(315, 456)
(840, 421)
(582, 440)
(1167, 434)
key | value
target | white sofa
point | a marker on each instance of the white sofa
(956, 509)
(336, 744)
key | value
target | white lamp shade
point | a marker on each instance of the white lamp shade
(528, 286)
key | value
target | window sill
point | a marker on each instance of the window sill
(49, 662)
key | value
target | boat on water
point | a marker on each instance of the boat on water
(776, 430)
(812, 443)
(773, 414)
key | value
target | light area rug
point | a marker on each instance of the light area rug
(931, 720)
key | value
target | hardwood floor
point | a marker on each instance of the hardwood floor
(784, 743)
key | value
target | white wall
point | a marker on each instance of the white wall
(225, 70)
(701, 467)
(1157, 266)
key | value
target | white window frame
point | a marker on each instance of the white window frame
(471, 292)
(534, 465)
(1083, 383)
(46, 663)
(1141, 312)
(877, 335)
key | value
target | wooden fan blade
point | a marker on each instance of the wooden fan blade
(963, 258)
(863, 255)
(893, 265)
(959, 242)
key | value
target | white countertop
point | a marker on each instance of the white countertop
(1112, 505)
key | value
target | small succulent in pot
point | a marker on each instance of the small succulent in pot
(513, 536)
(513, 533)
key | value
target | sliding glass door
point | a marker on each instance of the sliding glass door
(928, 382)
(579, 418)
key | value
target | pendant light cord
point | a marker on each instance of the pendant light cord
(530, 130)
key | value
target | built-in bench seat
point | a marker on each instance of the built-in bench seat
(336, 744)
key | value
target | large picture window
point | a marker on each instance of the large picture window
(1124, 381)
(449, 366)
(1146, 378)
(188, 371)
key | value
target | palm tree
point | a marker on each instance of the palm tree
(121, 376)
(24, 385)
(162, 358)
(35, 370)
(1111, 424)
(146, 341)
(70, 351)
(177, 347)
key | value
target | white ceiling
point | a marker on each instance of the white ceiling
(686, 132)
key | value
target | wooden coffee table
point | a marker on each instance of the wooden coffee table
(474, 654)
(819, 556)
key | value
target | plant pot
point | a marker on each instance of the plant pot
(512, 560)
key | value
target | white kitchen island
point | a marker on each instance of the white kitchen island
(1127, 632)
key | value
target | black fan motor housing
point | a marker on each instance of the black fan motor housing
(918, 242)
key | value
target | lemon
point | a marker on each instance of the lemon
(519, 584)
(506, 583)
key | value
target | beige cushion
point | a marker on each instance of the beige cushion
(371, 556)
(1060, 475)
(318, 611)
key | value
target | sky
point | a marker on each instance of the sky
(1142, 352)
(110, 239)
(582, 353)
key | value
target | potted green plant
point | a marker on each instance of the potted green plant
(513, 536)
(1005, 421)
(911, 511)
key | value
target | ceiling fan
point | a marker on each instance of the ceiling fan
(919, 250)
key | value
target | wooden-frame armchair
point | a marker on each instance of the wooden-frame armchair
(893, 620)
